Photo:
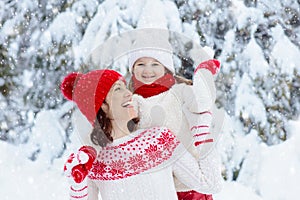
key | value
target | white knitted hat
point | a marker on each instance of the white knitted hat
(161, 55)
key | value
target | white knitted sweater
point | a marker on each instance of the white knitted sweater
(167, 110)
(140, 166)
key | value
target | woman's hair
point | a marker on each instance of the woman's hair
(102, 132)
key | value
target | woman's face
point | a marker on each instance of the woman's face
(119, 100)
(147, 70)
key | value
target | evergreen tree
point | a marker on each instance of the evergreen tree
(41, 41)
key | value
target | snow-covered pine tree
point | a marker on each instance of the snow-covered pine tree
(41, 41)
(247, 36)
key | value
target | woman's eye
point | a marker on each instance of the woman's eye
(117, 89)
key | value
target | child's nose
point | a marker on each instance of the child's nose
(147, 68)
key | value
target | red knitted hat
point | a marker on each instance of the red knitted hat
(89, 90)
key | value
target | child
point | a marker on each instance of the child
(131, 164)
(184, 109)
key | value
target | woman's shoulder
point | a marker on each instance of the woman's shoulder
(156, 135)
(147, 149)
(147, 136)
(158, 132)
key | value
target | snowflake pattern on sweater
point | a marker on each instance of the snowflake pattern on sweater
(143, 152)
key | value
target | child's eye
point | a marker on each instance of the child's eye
(155, 64)
(140, 64)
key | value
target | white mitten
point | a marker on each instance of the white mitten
(204, 84)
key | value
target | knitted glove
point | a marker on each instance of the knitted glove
(200, 124)
(212, 65)
(77, 168)
(204, 89)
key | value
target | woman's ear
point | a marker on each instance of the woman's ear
(104, 107)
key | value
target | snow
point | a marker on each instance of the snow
(285, 54)
(276, 169)
(66, 32)
(27, 78)
(250, 105)
(235, 191)
(24, 179)
(267, 172)
(258, 66)
(246, 15)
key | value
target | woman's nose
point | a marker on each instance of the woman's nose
(128, 93)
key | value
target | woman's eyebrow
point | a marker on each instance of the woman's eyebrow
(117, 85)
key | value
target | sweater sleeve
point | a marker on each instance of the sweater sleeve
(202, 175)
(200, 128)
(78, 190)
(93, 191)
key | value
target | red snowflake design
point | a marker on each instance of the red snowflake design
(166, 138)
(136, 162)
(132, 157)
(153, 153)
(98, 168)
(117, 167)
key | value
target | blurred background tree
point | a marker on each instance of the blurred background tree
(258, 85)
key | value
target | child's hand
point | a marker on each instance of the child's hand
(79, 164)
(212, 65)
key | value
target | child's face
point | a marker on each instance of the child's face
(148, 70)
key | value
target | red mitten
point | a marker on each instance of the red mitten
(77, 168)
(212, 65)
(78, 165)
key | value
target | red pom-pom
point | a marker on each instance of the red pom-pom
(67, 85)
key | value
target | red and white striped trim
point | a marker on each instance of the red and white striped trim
(203, 141)
(78, 190)
(200, 126)
(78, 196)
(80, 193)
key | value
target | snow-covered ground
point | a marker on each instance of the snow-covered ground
(277, 172)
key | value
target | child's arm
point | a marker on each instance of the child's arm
(202, 175)
(200, 127)
(199, 102)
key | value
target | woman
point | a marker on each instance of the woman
(168, 102)
(131, 164)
